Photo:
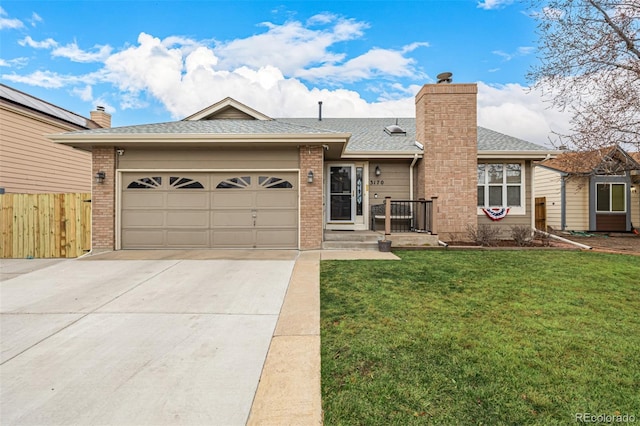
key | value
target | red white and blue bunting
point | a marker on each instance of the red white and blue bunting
(496, 213)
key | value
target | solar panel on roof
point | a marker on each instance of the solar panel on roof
(40, 105)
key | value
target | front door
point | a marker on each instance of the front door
(346, 196)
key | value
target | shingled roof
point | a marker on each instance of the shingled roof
(367, 134)
(218, 127)
(610, 159)
(371, 137)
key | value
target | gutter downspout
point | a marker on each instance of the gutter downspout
(563, 201)
(532, 201)
(413, 163)
(564, 240)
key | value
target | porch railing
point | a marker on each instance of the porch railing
(404, 216)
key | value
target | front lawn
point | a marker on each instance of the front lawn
(480, 337)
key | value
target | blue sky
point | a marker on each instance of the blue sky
(154, 61)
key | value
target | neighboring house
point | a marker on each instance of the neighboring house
(590, 191)
(635, 193)
(31, 163)
(229, 176)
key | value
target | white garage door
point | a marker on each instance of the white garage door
(209, 210)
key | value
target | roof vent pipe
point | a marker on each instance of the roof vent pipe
(319, 110)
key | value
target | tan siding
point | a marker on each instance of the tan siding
(208, 159)
(577, 204)
(231, 114)
(393, 182)
(548, 184)
(513, 219)
(31, 163)
(635, 207)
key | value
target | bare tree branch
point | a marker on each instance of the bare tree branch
(589, 65)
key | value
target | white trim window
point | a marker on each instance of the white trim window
(611, 198)
(501, 185)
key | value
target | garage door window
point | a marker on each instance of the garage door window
(235, 183)
(175, 182)
(184, 183)
(267, 182)
(274, 182)
(146, 183)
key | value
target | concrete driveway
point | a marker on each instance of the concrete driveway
(134, 342)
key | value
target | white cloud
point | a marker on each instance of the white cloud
(185, 83)
(15, 62)
(517, 111)
(413, 46)
(86, 93)
(74, 53)
(283, 72)
(520, 51)
(47, 79)
(52, 80)
(493, 4)
(35, 18)
(321, 18)
(9, 23)
(289, 47)
(44, 44)
(374, 63)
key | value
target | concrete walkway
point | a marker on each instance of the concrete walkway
(289, 391)
(136, 352)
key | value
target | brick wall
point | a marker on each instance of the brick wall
(446, 123)
(311, 158)
(103, 200)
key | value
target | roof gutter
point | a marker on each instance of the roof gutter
(527, 155)
(381, 155)
(169, 139)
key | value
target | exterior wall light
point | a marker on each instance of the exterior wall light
(378, 171)
(100, 176)
(310, 176)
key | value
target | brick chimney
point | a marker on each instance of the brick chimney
(101, 117)
(446, 124)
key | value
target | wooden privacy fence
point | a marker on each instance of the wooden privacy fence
(45, 225)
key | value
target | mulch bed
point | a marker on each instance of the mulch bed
(627, 243)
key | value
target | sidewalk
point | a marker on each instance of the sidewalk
(289, 390)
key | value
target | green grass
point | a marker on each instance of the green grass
(480, 337)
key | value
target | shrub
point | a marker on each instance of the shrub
(521, 235)
(485, 235)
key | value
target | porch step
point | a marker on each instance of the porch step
(351, 240)
(350, 245)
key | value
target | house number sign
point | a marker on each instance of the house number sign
(377, 181)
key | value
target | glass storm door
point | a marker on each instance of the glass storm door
(347, 196)
(341, 194)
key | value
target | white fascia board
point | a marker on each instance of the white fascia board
(382, 155)
(176, 139)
